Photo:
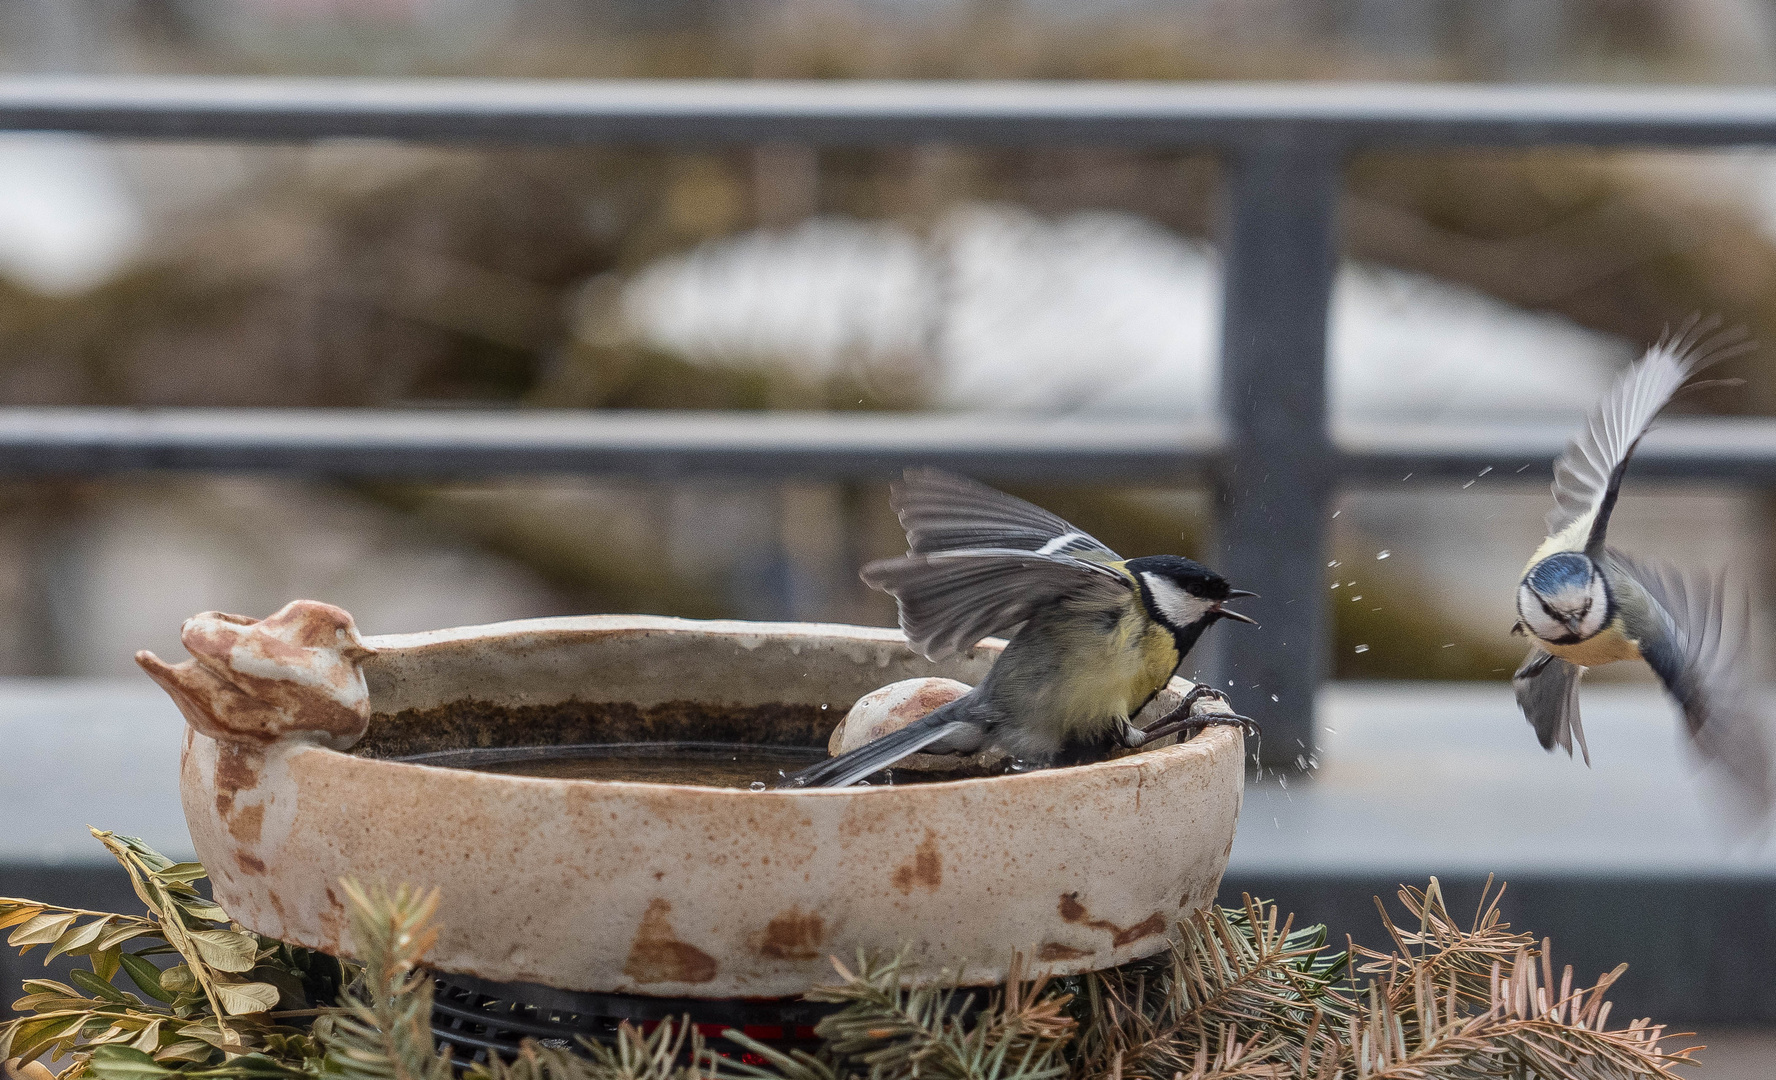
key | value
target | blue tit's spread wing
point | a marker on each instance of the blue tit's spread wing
(1548, 693)
(1589, 473)
(1695, 640)
(945, 512)
(951, 599)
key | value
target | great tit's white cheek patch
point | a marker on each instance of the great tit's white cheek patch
(1177, 606)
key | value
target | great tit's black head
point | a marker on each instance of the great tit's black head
(1564, 598)
(1182, 593)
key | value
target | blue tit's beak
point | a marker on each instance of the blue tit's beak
(1235, 594)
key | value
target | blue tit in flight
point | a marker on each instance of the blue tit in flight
(1097, 635)
(1584, 603)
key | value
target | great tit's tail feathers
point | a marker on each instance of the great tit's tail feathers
(854, 765)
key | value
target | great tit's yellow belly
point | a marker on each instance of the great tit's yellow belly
(1605, 647)
(1109, 679)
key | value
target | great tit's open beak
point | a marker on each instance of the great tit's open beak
(1235, 594)
(1227, 613)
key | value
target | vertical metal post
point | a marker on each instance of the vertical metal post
(1278, 248)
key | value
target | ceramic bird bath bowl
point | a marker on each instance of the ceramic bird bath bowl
(289, 783)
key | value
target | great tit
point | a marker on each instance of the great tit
(1584, 603)
(1099, 635)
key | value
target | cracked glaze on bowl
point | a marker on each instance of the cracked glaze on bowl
(651, 888)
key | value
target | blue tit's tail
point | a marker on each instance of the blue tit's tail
(949, 723)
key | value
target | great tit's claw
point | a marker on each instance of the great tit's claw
(1248, 726)
(1181, 720)
(1201, 690)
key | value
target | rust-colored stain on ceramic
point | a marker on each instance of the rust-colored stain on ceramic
(1074, 912)
(1054, 950)
(245, 824)
(793, 935)
(237, 769)
(926, 869)
(657, 956)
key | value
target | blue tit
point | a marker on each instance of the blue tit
(1584, 603)
(1097, 636)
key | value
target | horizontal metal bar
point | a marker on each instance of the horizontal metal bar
(1738, 450)
(492, 442)
(713, 112)
(661, 444)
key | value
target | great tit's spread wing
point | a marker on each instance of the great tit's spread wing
(951, 599)
(1695, 641)
(1548, 693)
(1589, 472)
(945, 512)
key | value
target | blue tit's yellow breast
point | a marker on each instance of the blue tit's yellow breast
(1604, 647)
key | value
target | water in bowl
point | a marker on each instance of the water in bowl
(725, 765)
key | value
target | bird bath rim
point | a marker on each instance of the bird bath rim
(672, 890)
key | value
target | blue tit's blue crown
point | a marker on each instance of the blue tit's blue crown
(1559, 573)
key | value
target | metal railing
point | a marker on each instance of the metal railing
(1274, 456)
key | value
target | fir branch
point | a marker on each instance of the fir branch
(897, 1032)
(1233, 979)
(1440, 948)
(382, 1029)
(672, 1051)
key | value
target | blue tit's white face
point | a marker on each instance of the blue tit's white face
(1563, 599)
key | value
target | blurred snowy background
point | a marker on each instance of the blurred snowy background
(1050, 282)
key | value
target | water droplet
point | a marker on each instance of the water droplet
(1273, 697)
(1405, 478)
(823, 706)
(863, 783)
(1384, 553)
(1451, 645)
(1362, 648)
(757, 785)
(1301, 762)
(1335, 584)
(1331, 731)
(1483, 472)
(1283, 780)
(1354, 599)
(1333, 563)
(1467, 485)
(1335, 513)
(1526, 466)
